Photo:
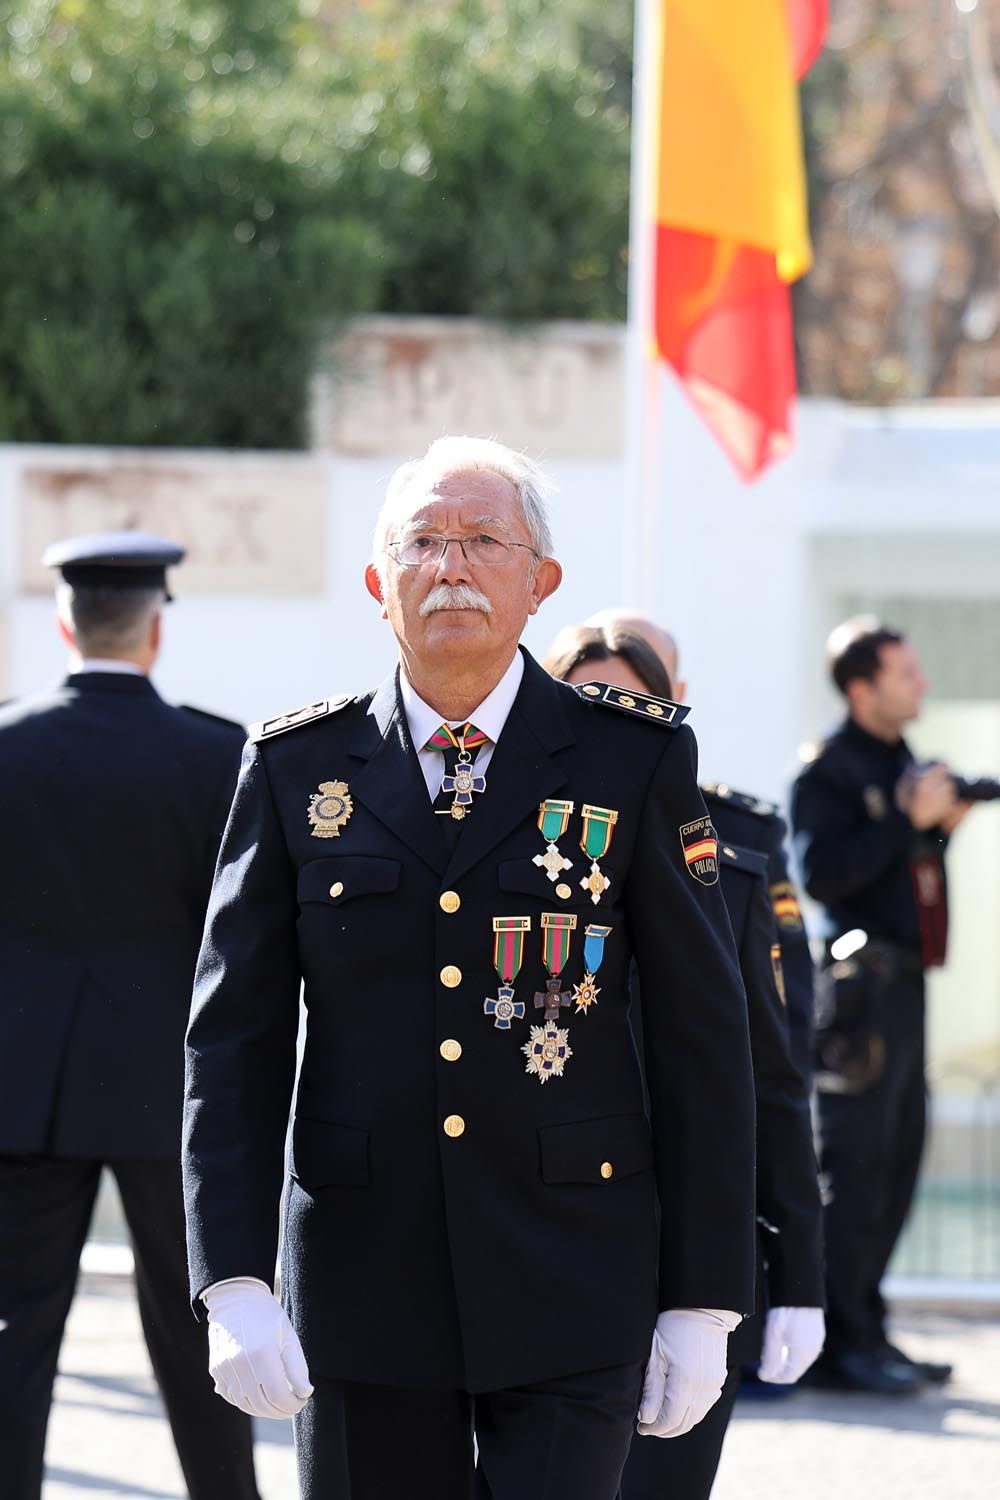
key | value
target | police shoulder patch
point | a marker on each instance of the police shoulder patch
(743, 800)
(700, 845)
(637, 705)
(266, 728)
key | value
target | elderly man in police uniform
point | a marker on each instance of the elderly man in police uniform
(112, 804)
(462, 867)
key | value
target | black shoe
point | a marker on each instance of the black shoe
(864, 1370)
(926, 1369)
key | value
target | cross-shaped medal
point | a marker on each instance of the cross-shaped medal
(596, 882)
(504, 1008)
(553, 999)
(552, 862)
(463, 783)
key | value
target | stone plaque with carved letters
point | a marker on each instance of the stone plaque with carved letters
(252, 524)
(556, 390)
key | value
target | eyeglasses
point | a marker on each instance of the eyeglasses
(480, 551)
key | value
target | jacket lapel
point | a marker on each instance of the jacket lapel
(521, 772)
(391, 784)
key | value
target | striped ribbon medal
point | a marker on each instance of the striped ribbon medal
(553, 818)
(586, 992)
(508, 955)
(595, 841)
(462, 781)
(548, 1049)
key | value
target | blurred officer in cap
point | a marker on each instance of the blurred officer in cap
(751, 822)
(112, 804)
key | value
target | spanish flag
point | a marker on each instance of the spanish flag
(731, 223)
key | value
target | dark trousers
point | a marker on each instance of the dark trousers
(682, 1468)
(45, 1210)
(869, 1150)
(561, 1439)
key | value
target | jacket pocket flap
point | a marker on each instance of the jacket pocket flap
(324, 1155)
(524, 877)
(335, 881)
(595, 1150)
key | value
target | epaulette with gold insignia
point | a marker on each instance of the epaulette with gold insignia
(265, 728)
(638, 705)
(743, 800)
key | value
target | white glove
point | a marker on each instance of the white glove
(686, 1370)
(793, 1337)
(254, 1355)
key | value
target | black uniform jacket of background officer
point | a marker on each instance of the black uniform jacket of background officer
(790, 1266)
(751, 823)
(113, 805)
(503, 1255)
(854, 844)
(788, 1205)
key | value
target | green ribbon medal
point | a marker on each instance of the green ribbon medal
(508, 955)
(595, 841)
(553, 819)
(586, 992)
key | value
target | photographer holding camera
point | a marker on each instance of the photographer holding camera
(871, 827)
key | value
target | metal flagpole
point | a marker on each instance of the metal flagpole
(643, 392)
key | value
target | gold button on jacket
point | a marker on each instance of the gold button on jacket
(450, 1050)
(449, 901)
(451, 976)
(454, 1126)
(607, 1170)
(337, 889)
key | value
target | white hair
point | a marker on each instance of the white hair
(449, 455)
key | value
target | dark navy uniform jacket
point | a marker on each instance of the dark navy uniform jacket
(854, 844)
(788, 1203)
(520, 1243)
(753, 824)
(113, 804)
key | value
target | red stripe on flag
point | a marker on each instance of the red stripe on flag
(723, 321)
(707, 848)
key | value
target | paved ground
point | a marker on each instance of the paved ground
(108, 1438)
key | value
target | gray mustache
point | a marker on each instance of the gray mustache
(454, 596)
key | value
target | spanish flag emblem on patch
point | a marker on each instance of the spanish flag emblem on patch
(787, 912)
(701, 850)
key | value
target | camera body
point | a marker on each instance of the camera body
(977, 789)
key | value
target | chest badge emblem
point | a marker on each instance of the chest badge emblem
(876, 805)
(329, 809)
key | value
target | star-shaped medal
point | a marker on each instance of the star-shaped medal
(548, 1052)
(585, 994)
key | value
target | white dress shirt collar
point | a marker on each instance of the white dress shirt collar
(109, 664)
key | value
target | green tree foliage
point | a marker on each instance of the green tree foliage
(494, 162)
(167, 255)
(192, 194)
